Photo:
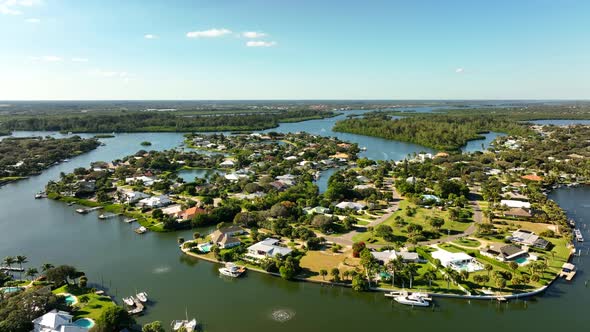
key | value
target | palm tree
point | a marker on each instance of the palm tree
(8, 261)
(32, 272)
(323, 273)
(489, 268)
(335, 273)
(46, 266)
(411, 270)
(21, 260)
(430, 275)
(392, 266)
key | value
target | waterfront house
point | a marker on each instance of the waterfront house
(518, 213)
(458, 261)
(391, 255)
(224, 238)
(190, 213)
(504, 252)
(155, 201)
(267, 248)
(528, 238)
(146, 180)
(56, 321)
(132, 197)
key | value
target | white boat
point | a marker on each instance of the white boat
(232, 270)
(423, 296)
(140, 230)
(129, 301)
(408, 300)
(189, 326)
(142, 296)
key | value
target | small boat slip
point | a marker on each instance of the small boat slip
(568, 271)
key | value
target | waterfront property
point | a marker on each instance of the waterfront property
(267, 248)
(507, 252)
(58, 321)
(386, 256)
(458, 261)
(529, 238)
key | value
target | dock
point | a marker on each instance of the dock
(138, 307)
(108, 216)
(11, 269)
(130, 220)
(568, 271)
(87, 210)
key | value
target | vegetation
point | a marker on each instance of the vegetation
(158, 121)
(21, 157)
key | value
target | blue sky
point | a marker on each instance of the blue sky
(288, 49)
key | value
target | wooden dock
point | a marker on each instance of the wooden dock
(568, 271)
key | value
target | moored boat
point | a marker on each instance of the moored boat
(188, 326)
(232, 270)
(140, 230)
(415, 299)
(129, 301)
(142, 296)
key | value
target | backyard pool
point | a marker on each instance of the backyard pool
(7, 290)
(205, 247)
(85, 323)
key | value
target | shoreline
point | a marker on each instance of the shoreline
(512, 296)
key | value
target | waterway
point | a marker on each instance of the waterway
(124, 262)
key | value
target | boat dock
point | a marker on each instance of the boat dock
(87, 210)
(138, 307)
(130, 220)
(108, 216)
(578, 235)
(568, 271)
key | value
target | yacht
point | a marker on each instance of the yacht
(142, 296)
(413, 300)
(232, 270)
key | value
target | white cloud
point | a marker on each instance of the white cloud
(260, 43)
(150, 36)
(109, 73)
(46, 58)
(211, 33)
(13, 7)
(79, 60)
(459, 70)
(254, 34)
(33, 20)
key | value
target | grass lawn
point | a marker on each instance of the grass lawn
(465, 242)
(314, 261)
(420, 218)
(93, 308)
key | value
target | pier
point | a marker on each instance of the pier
(87, 210)
(568, 271)
(108, 216)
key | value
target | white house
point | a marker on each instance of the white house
(458, 261)
(134, 196)
(391, 255)
(146, 180)
(155, 201)
(515, 204)
(267, 248)
(56, 321)
(317, 210)
(234, 177)
(350, 205)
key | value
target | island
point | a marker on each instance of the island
(23, 157)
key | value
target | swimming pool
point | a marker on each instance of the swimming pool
(7, 290)
(85, 323)
(205, 247)
(71, 299)
(521, 260)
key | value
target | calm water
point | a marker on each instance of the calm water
(481, 144)
(562, 122)
(112, 255)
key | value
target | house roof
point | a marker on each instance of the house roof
(269, 247)
(54, 319)
(518, 212)
(532, 177)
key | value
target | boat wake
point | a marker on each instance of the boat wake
(161, 269)
(282, 315)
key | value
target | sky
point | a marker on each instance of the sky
(294, 49)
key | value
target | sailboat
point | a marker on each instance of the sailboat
(189, 325)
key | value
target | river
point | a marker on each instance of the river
(124, 262)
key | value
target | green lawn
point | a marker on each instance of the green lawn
(93, 308)
(420, 218)
(467, 242)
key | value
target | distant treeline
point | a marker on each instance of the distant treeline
(158, 121)
(437, 131)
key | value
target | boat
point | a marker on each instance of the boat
(232, 270)
(129, 301)
(189, 326)
(413, 300)
(578, 235)
(364, 148)
(142, 297)
(82, 211)
(140, 230)
(40, 195)
(71, 203)
(423, 296)
(130, 220)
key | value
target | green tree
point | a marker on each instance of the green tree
(114, 319)
(32, 272)
(323, 273)
(153, 327)
(335, 273)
